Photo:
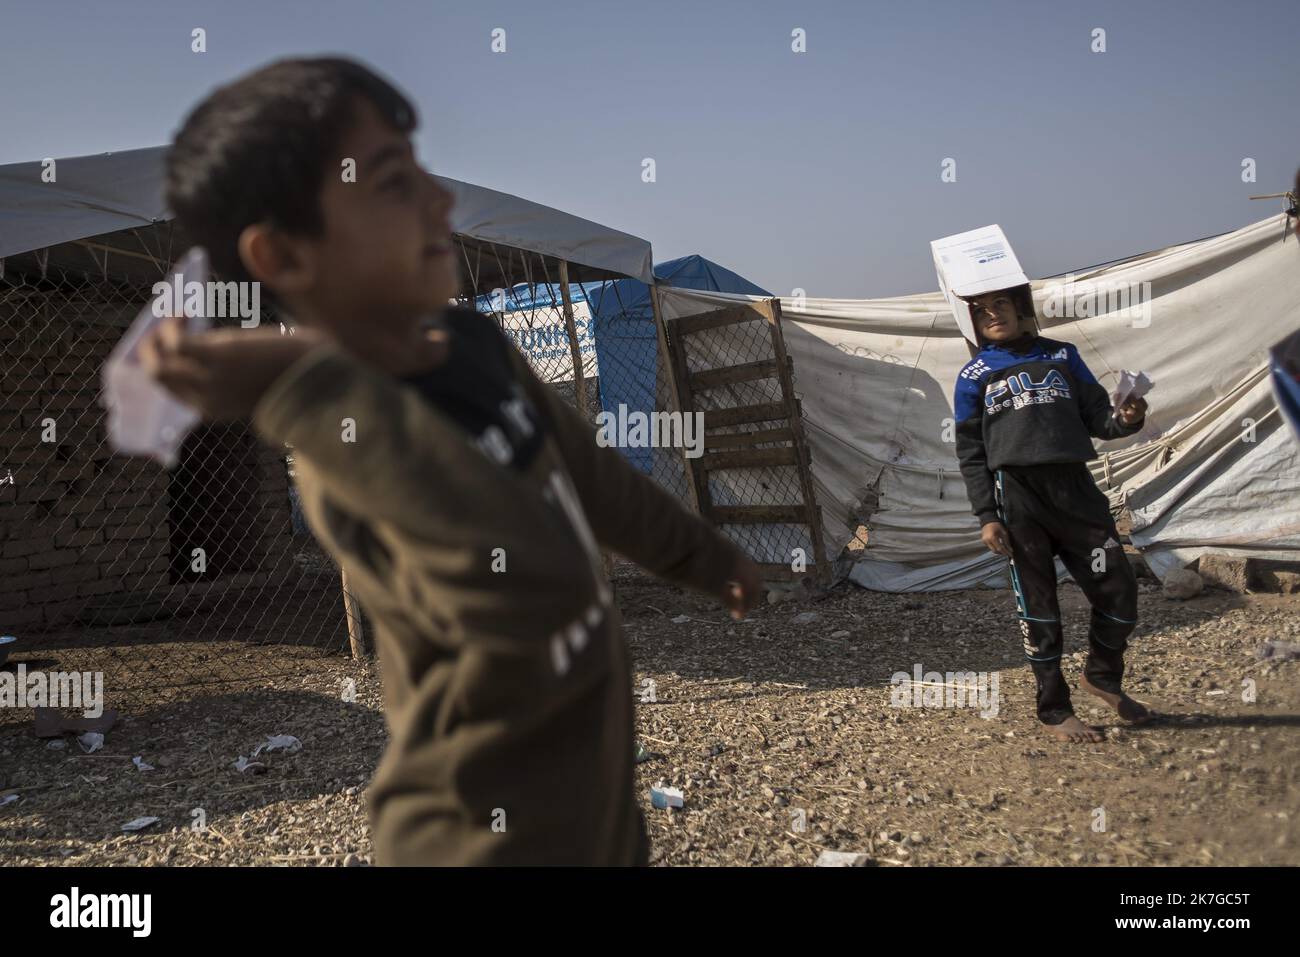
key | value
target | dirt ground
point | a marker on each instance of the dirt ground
(779, 730)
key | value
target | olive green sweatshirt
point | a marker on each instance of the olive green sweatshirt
(469, 533)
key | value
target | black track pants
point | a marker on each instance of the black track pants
(1057, 510)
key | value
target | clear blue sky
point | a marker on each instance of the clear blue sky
(818, 170)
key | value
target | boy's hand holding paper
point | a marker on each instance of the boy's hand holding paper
(1130, 406)
(142, 418)
(223, 373)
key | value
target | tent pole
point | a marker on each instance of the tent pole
(579, 382)
(356, 627)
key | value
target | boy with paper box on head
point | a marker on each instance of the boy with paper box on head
(1027, 409)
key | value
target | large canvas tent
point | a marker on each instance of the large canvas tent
(82, 240)
(111, 192)
(1214, 469)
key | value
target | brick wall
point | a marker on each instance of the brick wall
(81, 527)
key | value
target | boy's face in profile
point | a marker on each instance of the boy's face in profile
(995, 317)
(385, 256)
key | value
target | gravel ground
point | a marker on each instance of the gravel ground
(779, 730)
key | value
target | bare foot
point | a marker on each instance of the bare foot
(1128, 709)
(1075, 731)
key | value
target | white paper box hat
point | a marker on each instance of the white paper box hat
(972, 263)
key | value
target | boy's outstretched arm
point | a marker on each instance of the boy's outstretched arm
(631, 514)
(383, 454)
(1094, 405)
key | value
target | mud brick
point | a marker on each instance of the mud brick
(10, 600)
(20, 381)
(34, 416)
(29, 580)
(79, 538)
(54, 558)
(23, 548)
(150, 581)
(24, 618)
(12, 566)
(149, 550)
(71, 471)
(42, 492)
(12, 440)
(73, 503)
(130, 499)
(74, 574)
(115, 533)
(150, 564)
(1223, 571)
(102, 586)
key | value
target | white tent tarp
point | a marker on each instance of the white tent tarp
(876, 379)
(105, 192)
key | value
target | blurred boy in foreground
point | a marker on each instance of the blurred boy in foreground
(466, 501)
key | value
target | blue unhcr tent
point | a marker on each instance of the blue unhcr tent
(625, 339)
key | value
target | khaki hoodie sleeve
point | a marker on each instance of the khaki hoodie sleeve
(412, 470)
(629, 512)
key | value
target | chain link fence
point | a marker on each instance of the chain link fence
(170, 582)
(159, 579)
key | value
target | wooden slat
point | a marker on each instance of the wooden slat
(802, 452)
(739, 440)
(748, 371)
(677, 402)
(750, 458)
(759, 514)
(741, 414)
(715, 320)
(677, 354)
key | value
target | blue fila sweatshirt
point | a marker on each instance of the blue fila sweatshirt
(1030, 401)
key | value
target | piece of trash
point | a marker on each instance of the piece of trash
(91, 741)
(143, 417)
(805, 618)
(279, 742)
(139, 762)
(841, 859)
(665, 797)
(1131, 385)
(6, 645)
(839, 634)
(642, 755)
(57, 744)
(52, 723)
(139, 824)
(243, 764)
(681, 619)
(1275, 650)
(8, 799)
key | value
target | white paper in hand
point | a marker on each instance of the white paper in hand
(143, 417)
(1131, 385)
